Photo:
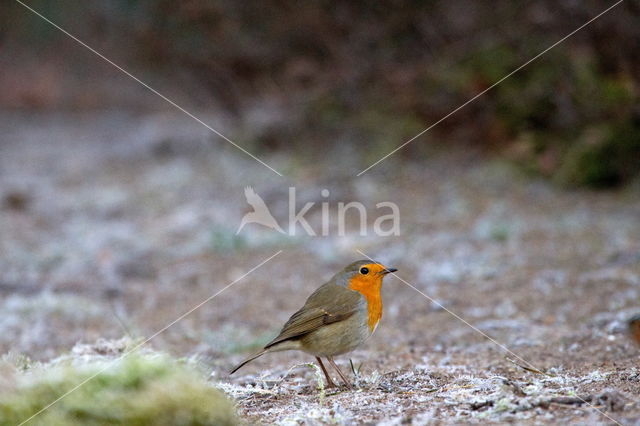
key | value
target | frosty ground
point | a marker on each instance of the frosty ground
(115, 224)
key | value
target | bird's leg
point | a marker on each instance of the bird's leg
(344, 379)
(330, 383)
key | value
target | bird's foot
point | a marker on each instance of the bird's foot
(331, 384)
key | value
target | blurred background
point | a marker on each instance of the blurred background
(521, 212)
(378, 74)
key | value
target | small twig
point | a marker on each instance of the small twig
(564, 401)
(529, 369)
(573, 406)
(338, 391)
(481, 404)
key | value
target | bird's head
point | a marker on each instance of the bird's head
(363, 275)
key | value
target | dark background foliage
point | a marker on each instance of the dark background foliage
(376, 73)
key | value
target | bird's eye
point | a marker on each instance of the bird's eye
(364, 271)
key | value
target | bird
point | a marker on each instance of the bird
(335, 319)
(260, 213)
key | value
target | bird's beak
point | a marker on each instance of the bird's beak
(388, 271)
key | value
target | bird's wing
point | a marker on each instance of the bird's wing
(254, 199)
(329, 304)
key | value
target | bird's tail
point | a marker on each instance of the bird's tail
(248, 360)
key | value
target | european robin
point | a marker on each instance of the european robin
(339, 316)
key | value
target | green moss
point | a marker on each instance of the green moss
(134, 391)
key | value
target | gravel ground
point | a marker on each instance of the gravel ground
(116, 224)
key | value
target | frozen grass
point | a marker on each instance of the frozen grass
(426, 393)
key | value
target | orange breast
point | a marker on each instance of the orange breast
(369, 287)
